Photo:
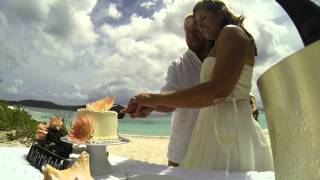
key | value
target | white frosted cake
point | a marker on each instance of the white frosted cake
(95, 122)
(105, 122)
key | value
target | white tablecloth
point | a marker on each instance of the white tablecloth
(13, 166)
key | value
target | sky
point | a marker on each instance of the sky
(77, 51)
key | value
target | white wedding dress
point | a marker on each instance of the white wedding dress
(250, 152)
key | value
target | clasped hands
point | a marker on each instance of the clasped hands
(141, 105)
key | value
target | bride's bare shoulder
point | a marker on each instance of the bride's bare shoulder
(233, 33)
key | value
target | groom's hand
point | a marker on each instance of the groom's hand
(137, 111)
(144, 111)
(132, 106)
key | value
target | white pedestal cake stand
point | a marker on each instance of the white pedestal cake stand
(99, 163)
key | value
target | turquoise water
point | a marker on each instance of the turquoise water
(154, 125)
(262, 120)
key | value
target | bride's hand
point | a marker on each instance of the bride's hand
(135, 110)
(146, 99)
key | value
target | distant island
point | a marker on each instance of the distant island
(44, 104)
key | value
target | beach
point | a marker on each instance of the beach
(151, 149)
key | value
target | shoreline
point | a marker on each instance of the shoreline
(142, 136)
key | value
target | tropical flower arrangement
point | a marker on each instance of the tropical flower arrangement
(82, 129)
(101, 105)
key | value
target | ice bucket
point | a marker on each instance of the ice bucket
(290, 92)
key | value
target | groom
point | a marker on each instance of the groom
(182, 73)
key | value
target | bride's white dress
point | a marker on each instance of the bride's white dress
(250, 152)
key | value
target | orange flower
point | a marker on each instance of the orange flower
(102, 105)
(56, 123)
(82, 129)
(41, 132)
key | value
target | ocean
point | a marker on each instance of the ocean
(154, 125)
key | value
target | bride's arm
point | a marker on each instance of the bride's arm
(231, 52)
(197, 96)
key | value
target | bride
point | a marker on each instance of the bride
(226, 72)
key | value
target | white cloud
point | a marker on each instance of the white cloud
(68, 26)
(74, 96)
(148, 4)
(113, 12)
(83, 5)
(14, 88)
(44, 40)
(142, 51)
(51, 30)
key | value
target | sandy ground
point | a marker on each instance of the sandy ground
(149, 149)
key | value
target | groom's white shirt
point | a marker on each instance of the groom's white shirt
(182, 73)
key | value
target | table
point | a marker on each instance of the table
(13, 166)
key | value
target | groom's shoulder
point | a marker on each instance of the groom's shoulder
(185, 57)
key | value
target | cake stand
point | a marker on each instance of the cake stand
(99, 163)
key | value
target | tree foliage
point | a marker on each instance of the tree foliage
(17, 122)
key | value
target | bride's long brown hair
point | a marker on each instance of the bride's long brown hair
(229, 16)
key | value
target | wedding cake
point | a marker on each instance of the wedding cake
(106, 123)
(95, 122)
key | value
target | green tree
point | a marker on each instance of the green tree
(17, 122)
